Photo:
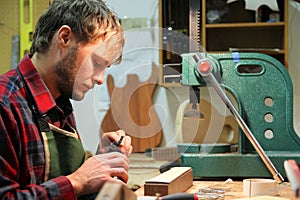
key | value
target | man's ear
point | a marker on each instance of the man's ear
(65, 36)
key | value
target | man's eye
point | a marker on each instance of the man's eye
(96, 63)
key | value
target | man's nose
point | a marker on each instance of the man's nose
(99, 78)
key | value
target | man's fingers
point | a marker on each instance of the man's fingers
(120, 173)
(114, 159)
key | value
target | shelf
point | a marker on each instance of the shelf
(169, 85)
(266, 51)
(237, 31)
(247, 24)
(244, 38)
(259, 50)
(243, 34)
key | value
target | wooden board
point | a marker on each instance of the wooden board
(115, 191)
(175, 180)
(132, 110)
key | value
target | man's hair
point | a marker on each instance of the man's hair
(90, 20)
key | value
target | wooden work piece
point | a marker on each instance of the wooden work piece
(132, 110)
(115, 191)
(177, 179)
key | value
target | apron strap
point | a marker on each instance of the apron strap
(64, 132)
(40, 120)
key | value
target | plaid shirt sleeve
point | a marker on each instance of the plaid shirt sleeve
(19, 181)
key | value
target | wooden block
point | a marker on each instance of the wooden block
(115, 191)
(177, 179)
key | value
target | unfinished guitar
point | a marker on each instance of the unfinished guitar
(132, 110)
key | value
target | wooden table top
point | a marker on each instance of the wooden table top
(232, 190)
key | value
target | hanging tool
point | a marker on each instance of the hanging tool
(26, 26)
(194, 46)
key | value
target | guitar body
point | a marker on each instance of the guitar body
(132, 110)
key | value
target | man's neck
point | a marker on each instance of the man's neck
(45, 67)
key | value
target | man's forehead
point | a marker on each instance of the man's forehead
(113, 42)
(108, 51)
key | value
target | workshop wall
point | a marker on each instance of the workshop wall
(10, 29)
(294, 58)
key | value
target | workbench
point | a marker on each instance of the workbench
(143, 168)
(233, 190)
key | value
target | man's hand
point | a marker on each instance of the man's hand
(97, 170)
(109, 137)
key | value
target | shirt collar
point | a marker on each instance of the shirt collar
(42, 96)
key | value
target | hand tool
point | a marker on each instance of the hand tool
(114, 146)
(179, 196)
(176, 196)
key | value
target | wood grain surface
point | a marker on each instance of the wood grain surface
(132, 110)
(233, 190)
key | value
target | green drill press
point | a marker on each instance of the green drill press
(261, 87)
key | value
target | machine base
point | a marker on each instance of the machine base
(235, 165)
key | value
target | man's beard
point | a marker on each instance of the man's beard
(66, 72)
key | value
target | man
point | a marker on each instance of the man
(41, 156)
